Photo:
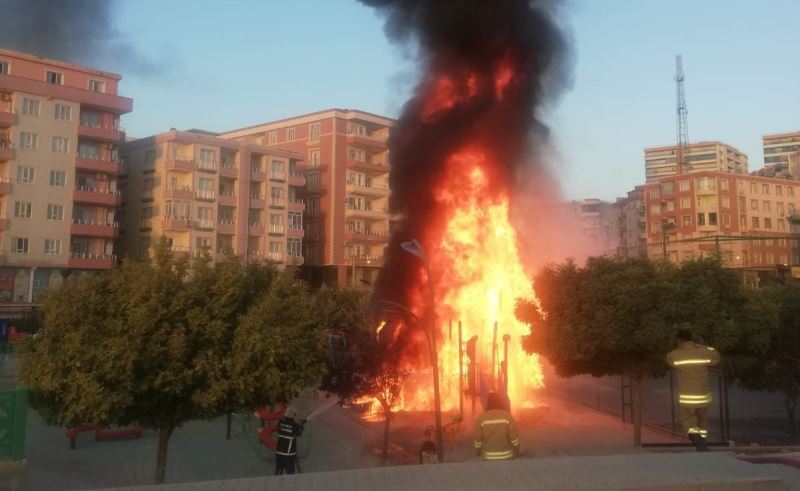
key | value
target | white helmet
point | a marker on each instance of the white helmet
(290, 412)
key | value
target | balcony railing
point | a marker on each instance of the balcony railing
(206, 194)
(365, 260)
(207, 165)
(275, 256)
(228, 168)
(178, 192)
(93, 228)
(297, 205)
(204, 224)
(176, 222)
(7, 116)
(88, 260)
(180, 163)
(95, 195)
(277, 230)
(277, 175)
(97, 162)
(277, 202)
(6, 150)
(97, 131)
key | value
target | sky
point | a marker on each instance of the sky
(225, 65)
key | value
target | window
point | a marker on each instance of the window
(207, 158)
(22, 209)
(653, 193)
(313, 182)
(667, 187)
(705, 183)
(765, 188)
(28, 140)
(58, 178)
(790, 190)
(754, 204)
(273, 137)
(686, 221)
(753, 188)
(295, 219)
(701, 219)
(684, 185)
(778, 190)
(770, 257)
(30, 107)
(203, 243)
(4, 68)
(311, 253)
(655, 210)
(62, 112)
(149, 160)
(55, 212)
(766, 207)
(779, 208)
(712, 218)
(97, 86)
(755, 222)
(726, 221)
(60, 145)
(767, 223)
(147, 189)
(313, 206)
(290, 134)
(52, 247)
(725, 202)
(790, 207)
(361, 156)
(686, 203)
(742, 203)
(743, 220)
(757, 257)
(54, 78)
(723, 184)
(781, 224)
(19, 245)
(313, 157)
(313, 132)
(25, 175)
(294, 247)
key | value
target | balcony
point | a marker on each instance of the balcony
(372, 168)
(277, 230)
(227, 198)
(370, 190)
(365, 260)
(95, 100)
(227, 227)
(176, 223)
(6, 187)
(79, 260)
(7, 116)
(98, 163)
(257, 202)
(98, 132)
(178, 192)
(204, 224)
(179, 164)
(296, 205)
(275, 256)
(297, 233)
(255, 228)
(277, 175)
(5, 223)
(373, 142)
(90, 228)
(206, 195)
(366, 236)
(228, 169)
(297, 179)
(179, 250)
(258, 174)
(6, 150)
(96, 196)
(206, 166)
(372, 214)
(277, 202)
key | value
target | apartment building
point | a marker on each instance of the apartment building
(661, 162)
(598, 222)
(347, 170)
(59, 132)
(747, 219)
(781, 156)
(631, 224)
(203, 192)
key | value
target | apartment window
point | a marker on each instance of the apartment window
(313, 157)
(686, 221)
(670, 205)
(770, 257)
(779, 208)
(275, 247)
(784, 259)
(28, 140)
(290, 134)
(667, 187)
(313, 132)
(275, 192)
(60, 144)
(712, 218)
(273, 137)
(203, 243)
(312, 180)
(725, 202)
(781, 224)
(25, 175)
(294, 247)
(755, 222)
(753, 188)
(30, 107)
(147, 188)
(768, 223)
(4, 68)
(22, 209)
(655, 227)
(757, 257)
(705, 183)
(62, 112)
(207, 159)
(144, 246)
(726, 221)
(790, 208)
(723, 184)
(295, 219)
(54, 78)
(684, 185)
(313, 206)
(52, 247)
(361, 156)
(742, 220)
(19, 245)
(97, 86)
(701, 219)
(311, 253)
(754, 205)
(790, 190)
(767, 207)
(778, 190)
(149, 160)
(58, 178)
(276, 219)
(55, 212)
(655, 210)
(311, 229)
(765, 188)
(686, 203)
(653, 193)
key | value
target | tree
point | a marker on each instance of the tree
(160, 343)
(769, 351)
(385, 384)
(619, 317)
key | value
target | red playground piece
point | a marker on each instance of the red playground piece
(100, 434)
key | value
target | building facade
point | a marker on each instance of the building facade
(59, 134)
(598, 223)
(781, 156)
(745, 219)
(631, 225)
(202, 193)
(347, 171)
(661, 162)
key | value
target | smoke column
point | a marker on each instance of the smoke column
(487, 67)
(76, 31)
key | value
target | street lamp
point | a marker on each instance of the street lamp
(415, 248)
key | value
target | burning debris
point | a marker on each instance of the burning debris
(461, 144)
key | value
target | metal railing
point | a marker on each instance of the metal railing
(92, 189)
(85, 221)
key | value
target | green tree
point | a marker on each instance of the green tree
(161, 342)
(385, 384)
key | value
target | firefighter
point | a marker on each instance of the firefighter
(496, 435)
(286, 449)
(691, 360)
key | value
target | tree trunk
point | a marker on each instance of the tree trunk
(161, 456)
(790, 402)
(636, 409)
(387, 416)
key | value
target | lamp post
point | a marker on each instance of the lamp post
(415, 248)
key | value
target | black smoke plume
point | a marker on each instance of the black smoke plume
(465, 41)
(75, 31)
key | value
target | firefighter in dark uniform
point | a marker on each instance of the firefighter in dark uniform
(286, 450)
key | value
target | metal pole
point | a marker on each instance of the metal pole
(726, 385)
(494, 356)
(506, 339)
(228, 428)
(664, 238)
(672, 400)
(435, 363)
(460, 374)
(721, 409)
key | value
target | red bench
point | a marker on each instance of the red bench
(102, 435)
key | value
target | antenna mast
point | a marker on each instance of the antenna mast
(682, 150)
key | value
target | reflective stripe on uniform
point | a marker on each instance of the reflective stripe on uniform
(515, 442)
(478, 444)
(507, 454)
(690, 399)
(698, 361)
(494, 422)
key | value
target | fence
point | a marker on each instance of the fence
(13, 411)
(735, 414)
